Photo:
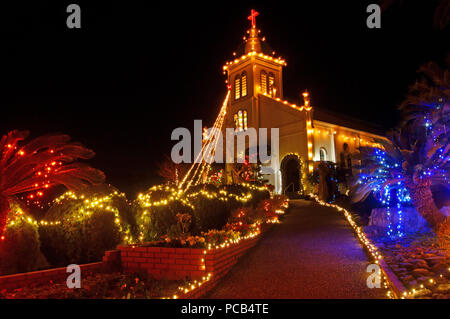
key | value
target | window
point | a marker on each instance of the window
(245, 119)
(237, 87)
(323, 154)
(271, 88)
(263, 82)
(236, 121)
(240, 121)
(244, 84)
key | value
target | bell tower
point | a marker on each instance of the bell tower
(254, 71)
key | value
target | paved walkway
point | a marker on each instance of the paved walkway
(313, 253)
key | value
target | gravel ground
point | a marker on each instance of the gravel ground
(313, 253)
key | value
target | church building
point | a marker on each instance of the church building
(307, 134)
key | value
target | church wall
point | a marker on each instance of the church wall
(292, 133)
(340, 135)
(291, 124)
(323, 138)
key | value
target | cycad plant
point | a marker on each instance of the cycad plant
(31, 168)
(417, 155)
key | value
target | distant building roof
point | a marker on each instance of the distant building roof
(347, 121)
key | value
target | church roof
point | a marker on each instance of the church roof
(254, 45)
(264, 48)
(331, 117)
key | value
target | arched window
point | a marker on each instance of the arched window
(263, 82)
(237, 87)
(240, 121)
(270, 84)
(323, 154)
(236, 121)
(244, 84)
(245, 120)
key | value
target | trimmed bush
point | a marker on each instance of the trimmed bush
(80, 241)
(88, 227)
(209, 213)
(210, 208)
(157, 221)
(20, 250)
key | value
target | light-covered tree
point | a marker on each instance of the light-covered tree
(31, 168)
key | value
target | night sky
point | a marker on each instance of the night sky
(135, 70)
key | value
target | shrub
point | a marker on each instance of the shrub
(157, 221)
(20, 250)
(87, 228)
(80, 240)
(258, 196)
(210, 208)
(209, 213)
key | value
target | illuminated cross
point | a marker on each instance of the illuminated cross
(252, 17)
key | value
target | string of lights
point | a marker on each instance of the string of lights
(200, 164)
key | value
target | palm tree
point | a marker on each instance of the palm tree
(426, 122)
(38, 165)
(418, 153)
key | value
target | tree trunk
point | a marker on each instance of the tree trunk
(423, 201)
(4, 209)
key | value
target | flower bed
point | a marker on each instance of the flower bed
(110, 263)
(96, 286)
(181, 263)
(198, 261)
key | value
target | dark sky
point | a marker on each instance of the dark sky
(136, 70)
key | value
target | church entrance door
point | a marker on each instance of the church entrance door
(290, 170)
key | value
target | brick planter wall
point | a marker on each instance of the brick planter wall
(111, 262)
(160, 262)
(179, 263)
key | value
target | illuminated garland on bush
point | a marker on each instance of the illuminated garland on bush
(18, 216)
(86, 210)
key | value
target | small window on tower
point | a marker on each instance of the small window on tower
(236, 121)
(271, 88)
(263, 82)
(237, 87)
(244, 83)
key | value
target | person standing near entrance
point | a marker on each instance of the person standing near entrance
(346, 165)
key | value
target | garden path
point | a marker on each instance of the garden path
(313, 253)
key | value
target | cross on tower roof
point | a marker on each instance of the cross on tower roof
(252, 17)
